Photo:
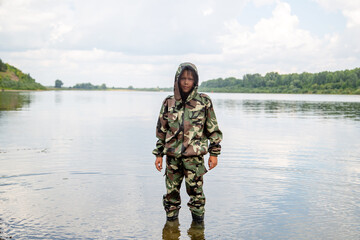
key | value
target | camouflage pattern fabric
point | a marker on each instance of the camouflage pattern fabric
(185, 128)
(193, 169)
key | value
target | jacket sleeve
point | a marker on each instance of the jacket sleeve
(161, 129)
(212, 130)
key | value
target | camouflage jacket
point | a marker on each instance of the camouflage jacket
(185, 129)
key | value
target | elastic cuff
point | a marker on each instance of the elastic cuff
(213, 154)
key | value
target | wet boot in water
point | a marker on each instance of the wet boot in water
(197, 218)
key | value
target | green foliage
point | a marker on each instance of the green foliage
(13, 78)
(89, 86)
(3, 66)
(339, 82)
(58, 83)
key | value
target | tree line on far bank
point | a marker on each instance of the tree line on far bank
(339, 82)
(89, 86)
(85, 86)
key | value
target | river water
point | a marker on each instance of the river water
(78, 165)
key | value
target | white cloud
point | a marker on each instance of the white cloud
(208, 11)
(275, 44)
(348, 48)
(58, 31)
(31, 24)
(353, 16)
(99, 66)
(140, 43)
(349, 8)
(135, 27)
(260, 3)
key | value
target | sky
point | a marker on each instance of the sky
(140, 43)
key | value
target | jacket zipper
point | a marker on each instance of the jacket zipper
(182, 125)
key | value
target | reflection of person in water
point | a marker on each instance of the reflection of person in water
(171, 230)
(196, 231)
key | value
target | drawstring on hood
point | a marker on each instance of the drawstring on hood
(178, 94)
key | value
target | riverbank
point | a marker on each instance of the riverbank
(206, 90)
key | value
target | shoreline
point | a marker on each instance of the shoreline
(163, 90)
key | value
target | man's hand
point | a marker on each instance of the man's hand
(158, 163)
(212, 162)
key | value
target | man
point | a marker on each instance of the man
(186, 124)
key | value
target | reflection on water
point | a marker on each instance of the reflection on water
(171, 231)
(196, 231)
(78, 165)
(13, 100)
(272, 108)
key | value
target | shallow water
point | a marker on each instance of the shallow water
(78, 165)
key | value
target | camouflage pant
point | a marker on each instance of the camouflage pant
(193, 169)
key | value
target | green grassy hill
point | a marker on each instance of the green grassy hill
(13, 78)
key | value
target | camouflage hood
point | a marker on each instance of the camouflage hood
(179, 71)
